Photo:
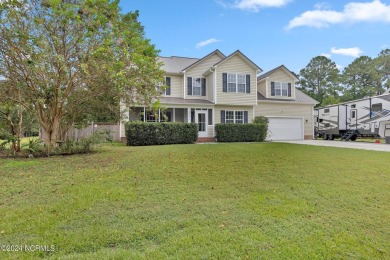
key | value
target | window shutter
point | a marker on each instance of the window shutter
(210, 116)
(248, 83)
(289, 89)
(168, 83)
(189, 86)
(224, 82)
(245, 117)
(203, 87)
(272, 88)
(223, 116)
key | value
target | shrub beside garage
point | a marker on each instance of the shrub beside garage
(254, 132)
(140, 133)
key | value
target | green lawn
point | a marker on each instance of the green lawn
(217, 201)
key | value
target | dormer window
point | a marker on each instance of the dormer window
(280, 89)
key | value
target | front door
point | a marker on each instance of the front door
(354, 118)
(201, 121)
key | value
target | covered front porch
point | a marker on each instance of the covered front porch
(202, 116)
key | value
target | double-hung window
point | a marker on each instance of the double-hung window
(164, 87)
(229, 117)
(196, 86)
(231, 82)
(236, 83)
(234, 117)
(167, 86)
(281, 89)
(241, 83)
(239, 117)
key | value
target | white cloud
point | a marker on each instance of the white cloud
(326, 55)
(385, 46)
(322, 6)
(206, 42)
(354, 52)
(254, 5)
(353, 12)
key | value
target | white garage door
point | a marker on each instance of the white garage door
(282, 128)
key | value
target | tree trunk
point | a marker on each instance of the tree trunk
(19, 133)
(52, 134)
(50, 127)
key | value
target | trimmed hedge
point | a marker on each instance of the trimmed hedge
(241, 132)
(140, 133)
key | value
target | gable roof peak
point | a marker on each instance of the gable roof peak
(218, 52)
(266, 74)
(238, 52)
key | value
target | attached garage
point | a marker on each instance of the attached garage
(285, 128)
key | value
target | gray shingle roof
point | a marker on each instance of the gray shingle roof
(205, 57)
(300, 97)
(263, 76)
(176, 64)
(177, 100)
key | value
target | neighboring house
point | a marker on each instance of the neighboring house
(225, 89)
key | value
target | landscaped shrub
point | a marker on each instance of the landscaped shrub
(139, 133)
(84, 145)
(264, 122)
(241, 132)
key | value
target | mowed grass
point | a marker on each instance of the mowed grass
(210, 201)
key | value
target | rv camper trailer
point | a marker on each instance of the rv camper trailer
(367, 117)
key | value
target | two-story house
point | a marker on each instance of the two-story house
(225, 89)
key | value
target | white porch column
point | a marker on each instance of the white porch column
(174, 115)
(188, 115)
(159, 115)
(144, 114)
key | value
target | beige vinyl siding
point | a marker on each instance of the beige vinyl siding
(176, 86)
(197, 72)
(261, 88)
(289, 110)
(210, 87)
(210, 131)
(280, 76)
(235, 64)
(217, 112)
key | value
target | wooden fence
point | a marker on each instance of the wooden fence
(76, 134)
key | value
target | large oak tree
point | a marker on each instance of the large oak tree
(62, 55)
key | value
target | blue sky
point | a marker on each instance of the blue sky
(269, 32)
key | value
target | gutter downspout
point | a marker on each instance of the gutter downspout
(215, 84)
(214, 97)
(184, 84)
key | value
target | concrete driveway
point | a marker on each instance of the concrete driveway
(341, 144)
